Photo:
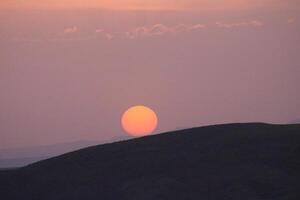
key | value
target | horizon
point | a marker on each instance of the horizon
(14, 158)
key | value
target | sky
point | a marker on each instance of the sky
(152, 4)
(69, 69)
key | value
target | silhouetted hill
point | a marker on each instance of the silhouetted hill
(223, 162)
(19, 157)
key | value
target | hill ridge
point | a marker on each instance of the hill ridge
(229, 161)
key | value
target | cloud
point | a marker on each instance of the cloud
(99, 31)
(197, 27)
(109, 36)
(256, 23)
(161, 29)
(103, 34)
(181, 28)
(253, 23)
(73, 29)
(155, 30)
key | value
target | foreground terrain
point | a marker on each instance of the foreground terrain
(228, 162)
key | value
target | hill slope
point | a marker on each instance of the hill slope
(228, 162)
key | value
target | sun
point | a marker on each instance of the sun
(139, 121)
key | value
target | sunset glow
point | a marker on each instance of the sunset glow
(147, 4)
(69, 66)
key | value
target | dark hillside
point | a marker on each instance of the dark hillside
(228, 162)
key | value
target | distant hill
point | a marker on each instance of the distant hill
(19, 162)
(295, 121)
(223, 162)
(19, 157)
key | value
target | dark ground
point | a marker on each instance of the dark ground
(223, 162)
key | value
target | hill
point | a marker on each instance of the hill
(229, 162)
(19, 157)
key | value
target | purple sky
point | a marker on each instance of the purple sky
(68, 75)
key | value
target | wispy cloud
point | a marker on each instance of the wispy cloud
(109, 36)
(73, 29)
(161, 29)
(99, 30)
(156, 30)
(101, 33)
(253, 23)
(197, 27)
(144, 31)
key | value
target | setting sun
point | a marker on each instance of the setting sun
(139, 121)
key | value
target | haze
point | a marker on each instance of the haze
(68, 74)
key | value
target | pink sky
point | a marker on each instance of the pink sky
(68, 75)
(153, 4)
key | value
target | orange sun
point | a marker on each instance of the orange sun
(139, 121)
